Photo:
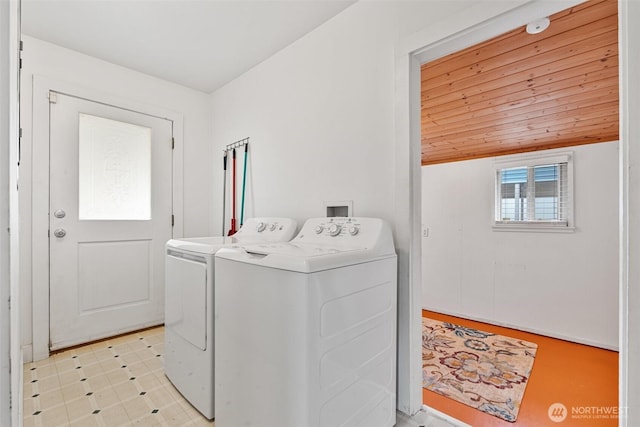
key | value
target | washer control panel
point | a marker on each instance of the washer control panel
(336, 229)
(322, 237)
(268, 229)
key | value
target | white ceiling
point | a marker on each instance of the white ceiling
(201, 44)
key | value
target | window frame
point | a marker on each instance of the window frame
(530, 160)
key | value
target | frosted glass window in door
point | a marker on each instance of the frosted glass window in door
(114, 170)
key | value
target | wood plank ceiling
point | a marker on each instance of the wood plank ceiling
(521, 92)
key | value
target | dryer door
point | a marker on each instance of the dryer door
(186, 297)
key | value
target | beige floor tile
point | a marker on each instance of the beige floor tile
(117, 376)
(103, 353)
(91, 370)
(155, 363)
(46, 384)
(108, 386)
(50, 399)
(162, 377)
(65, 365)
(29, 406)
(137, 344)
(53, 417)
(98, 345)
(83, 350)
(97, 382)
(89, 421)
(43, 362)
(137, 369)
(64, 354)
(126, 391)
(148, 421)
(175, 415)
(129, 358)
(115, 416)
(88, 358)
(105, 398)
(70, 377)
(137, 408)
(155, 339)
(190, 410)
(73, 391)
(148, 381)
(121, 348)
(173, 392)
(146, 353)
(42, 372)
(122, 339)
(110, 364)
(160, 397)
(29, 389)
(79, 408)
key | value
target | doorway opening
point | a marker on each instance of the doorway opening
(442, 293)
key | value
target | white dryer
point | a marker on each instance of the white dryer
(306, 330)
(189, 302)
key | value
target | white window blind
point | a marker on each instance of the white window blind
(533, 193)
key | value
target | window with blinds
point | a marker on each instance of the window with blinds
(533, 193)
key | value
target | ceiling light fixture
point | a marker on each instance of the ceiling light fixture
(538, 26)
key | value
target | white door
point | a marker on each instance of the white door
(110, 215)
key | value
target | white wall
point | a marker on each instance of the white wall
(5, 378)
(320, 115)
(53, 62)
(557, 284)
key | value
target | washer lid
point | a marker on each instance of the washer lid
(299, 258)
(201, 245)
(296, 249)
(322, 244)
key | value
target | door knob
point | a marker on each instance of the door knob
(59, 213)
(60, 232)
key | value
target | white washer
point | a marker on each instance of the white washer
(189, 302)
(306, 330)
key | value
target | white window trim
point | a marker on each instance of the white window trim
(527, 160)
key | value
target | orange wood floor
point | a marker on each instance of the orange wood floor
(583, 378)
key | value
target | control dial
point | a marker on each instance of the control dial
(260, 227)
(319, 229)
(334, 229)
(353, 230)
(273, 226)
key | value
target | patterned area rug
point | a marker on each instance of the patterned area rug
(486, 371)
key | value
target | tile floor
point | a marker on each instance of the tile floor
(115, 382)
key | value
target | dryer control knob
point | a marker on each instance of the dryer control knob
(319, 229)
(261, 226)
(273, 226)
(353, 230)
(334, 229)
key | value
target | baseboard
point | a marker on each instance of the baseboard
(27, 353)
(524, 329)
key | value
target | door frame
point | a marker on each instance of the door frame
(473, 25)
(40, 189)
